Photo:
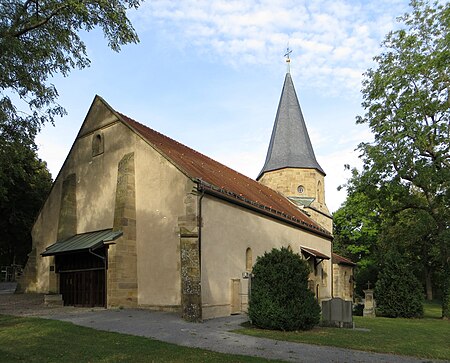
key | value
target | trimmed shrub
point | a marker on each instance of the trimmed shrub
(398, 293)
(280, 298)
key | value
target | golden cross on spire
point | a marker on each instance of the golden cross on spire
(288, 59)
(288, 52)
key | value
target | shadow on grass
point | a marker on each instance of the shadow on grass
(34, 340)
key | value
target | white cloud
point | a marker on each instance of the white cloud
(334, 41)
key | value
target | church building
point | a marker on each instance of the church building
(136, 219)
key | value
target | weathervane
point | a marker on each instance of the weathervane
(288, 60)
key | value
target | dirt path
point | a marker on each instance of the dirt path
(33, 305)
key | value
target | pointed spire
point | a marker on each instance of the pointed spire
(290, 146)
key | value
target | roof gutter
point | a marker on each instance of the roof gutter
(231, 197)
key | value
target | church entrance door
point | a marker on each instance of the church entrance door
(82, 278)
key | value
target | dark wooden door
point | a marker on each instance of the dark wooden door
(82, 279)
(83, 288)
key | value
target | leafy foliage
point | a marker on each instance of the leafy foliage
(367, 227)
(407, 102)
(280, 298)
(398, 292)
(24, 184)
(357, 226)
(39, 39)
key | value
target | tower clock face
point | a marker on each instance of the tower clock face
(300, 189)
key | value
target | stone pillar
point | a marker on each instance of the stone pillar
(122, 285)
(191, 294)
(67, 224)
(27, 282)
(369, 303)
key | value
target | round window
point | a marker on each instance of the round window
(300, 189)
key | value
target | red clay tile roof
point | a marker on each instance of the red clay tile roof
(342, 260)
(218, 179)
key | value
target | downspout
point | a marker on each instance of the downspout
(200, 222)
(99, 256)
(332, 270)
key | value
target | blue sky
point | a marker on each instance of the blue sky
(209, 74)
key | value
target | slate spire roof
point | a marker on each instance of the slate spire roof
(290, 146)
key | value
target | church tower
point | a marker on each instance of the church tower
(291, 167)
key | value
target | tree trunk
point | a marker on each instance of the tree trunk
(429, 283)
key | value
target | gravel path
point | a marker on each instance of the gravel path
(214, 334)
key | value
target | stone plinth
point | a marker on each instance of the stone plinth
(53, 300)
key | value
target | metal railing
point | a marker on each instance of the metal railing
(10, 273)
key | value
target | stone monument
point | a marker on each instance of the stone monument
(369, 302)
(337, 313)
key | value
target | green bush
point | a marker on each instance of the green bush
(280, 298)
(398, 293)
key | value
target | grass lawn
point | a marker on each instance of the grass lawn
(426, 338)
(31, 340)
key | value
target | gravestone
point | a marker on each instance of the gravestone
(338, 313)
(369, 302)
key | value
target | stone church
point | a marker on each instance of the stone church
(136, 219)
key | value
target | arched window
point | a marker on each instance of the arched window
(97, 144)
(248, 259)
(289, 248)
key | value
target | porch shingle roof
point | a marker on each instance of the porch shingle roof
(82, 242)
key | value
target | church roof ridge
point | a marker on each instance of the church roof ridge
(290, 145)
(218, 178)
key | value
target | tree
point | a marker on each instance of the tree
(39, 39)
(411, 233)
(370, 223)
(280, 296)
(24, 185)
(398, 292)
(407, 101)
(356, 227)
